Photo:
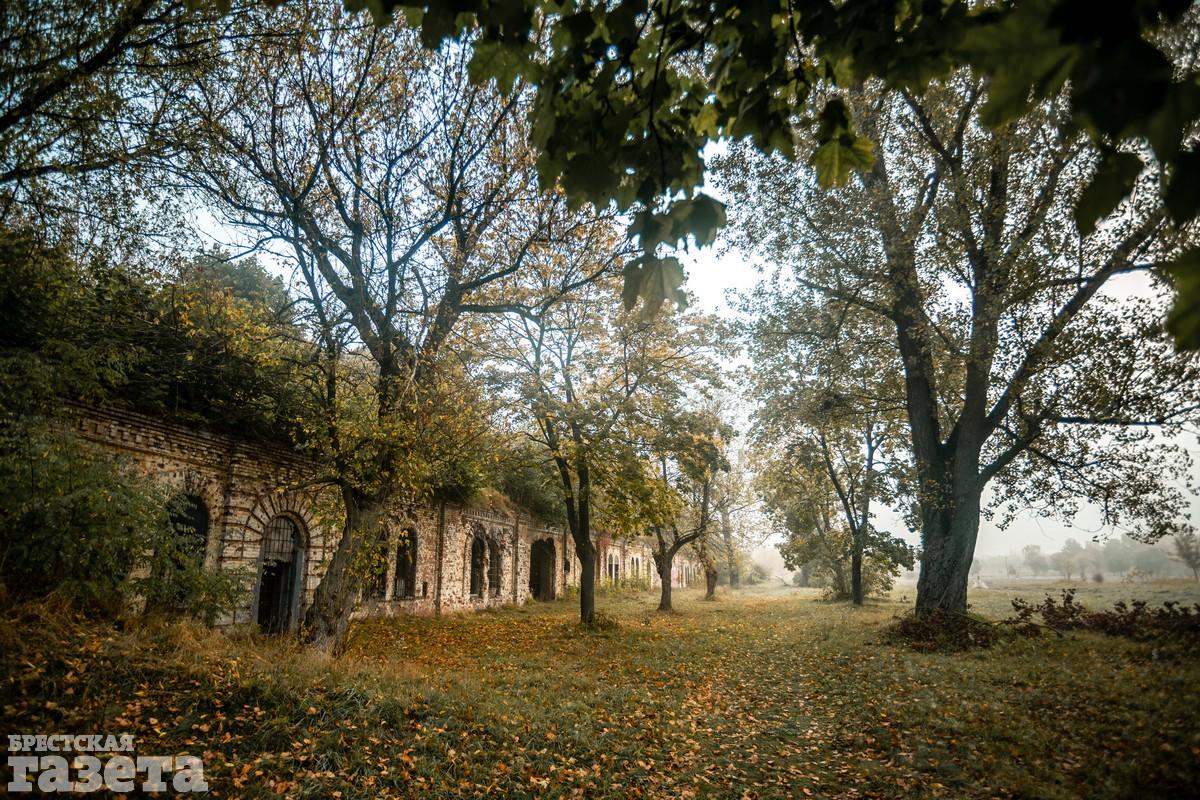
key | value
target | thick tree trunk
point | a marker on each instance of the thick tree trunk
(856, 581)
(664, 595)
(710, 581)
(947, 548)
(328, 618)
(587, 581)
(663, 562)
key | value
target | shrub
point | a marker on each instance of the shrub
(75, 523)
(1134, 620)
(943, 631)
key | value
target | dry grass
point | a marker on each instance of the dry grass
(770, 693)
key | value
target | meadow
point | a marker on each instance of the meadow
(763, 693)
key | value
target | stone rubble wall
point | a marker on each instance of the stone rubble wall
(245, 485)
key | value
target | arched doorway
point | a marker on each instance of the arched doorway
(478, 561)
(494, 565)
(405, 587)
(542, 560)
(279, 576)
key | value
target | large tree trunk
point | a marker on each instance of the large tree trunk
(586, 553)
(710, 581)
(856, 580)
(328, 618)
(947, 548)
(663, 560)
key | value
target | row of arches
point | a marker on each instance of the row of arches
(634, 568)
(283, 552)
(278, 584)
(399, 570)
(484, 559)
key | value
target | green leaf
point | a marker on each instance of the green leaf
(1022, 52)
(653, 280)
(1184, 320)
(1183, 193)
(1111, 184)
(706, 217)
(835, 159)
(497, 60)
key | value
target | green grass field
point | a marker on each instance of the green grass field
(767, 693)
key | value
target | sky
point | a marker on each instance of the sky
(713, 274)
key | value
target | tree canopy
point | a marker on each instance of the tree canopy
(630, 93)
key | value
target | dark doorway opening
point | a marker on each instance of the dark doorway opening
(541, 570)
(478, 560)
(405, 587)
(278, 576)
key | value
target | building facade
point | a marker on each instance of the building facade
(257, 509)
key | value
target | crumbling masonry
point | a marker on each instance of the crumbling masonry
(251, 504)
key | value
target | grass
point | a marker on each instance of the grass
(767, 693)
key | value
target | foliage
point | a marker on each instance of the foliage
(1034, 560)
(824, 555)
(193, 348)
(71, 520)
(1187, 551)
(630, 93)
(527, 480)
(404, 198)
(75, 523)
(830, 395)
(1010, 350)
(1134, 620)
(597, 389)
(802, 501)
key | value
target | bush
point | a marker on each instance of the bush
(75, 523)
(1134, 620)
(943, 631)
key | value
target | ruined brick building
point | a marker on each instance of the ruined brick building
(254, 508)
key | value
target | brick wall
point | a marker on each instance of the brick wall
(247, 487)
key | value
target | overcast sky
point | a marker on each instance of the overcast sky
(711, 276)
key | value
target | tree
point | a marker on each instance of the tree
(829, 386)
(1021, 371)
(404, 198)
(1068, 561)
(652, 83)
(583, 379)
(1034, 559)
(89, 104)
(1187, 551)
(689, 453)
(799, 496)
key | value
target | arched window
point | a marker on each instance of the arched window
(375, 585)
(493, 568)
(279, 575)
(184, 551)
(406, 566)
(189, 519)
(478, 558)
